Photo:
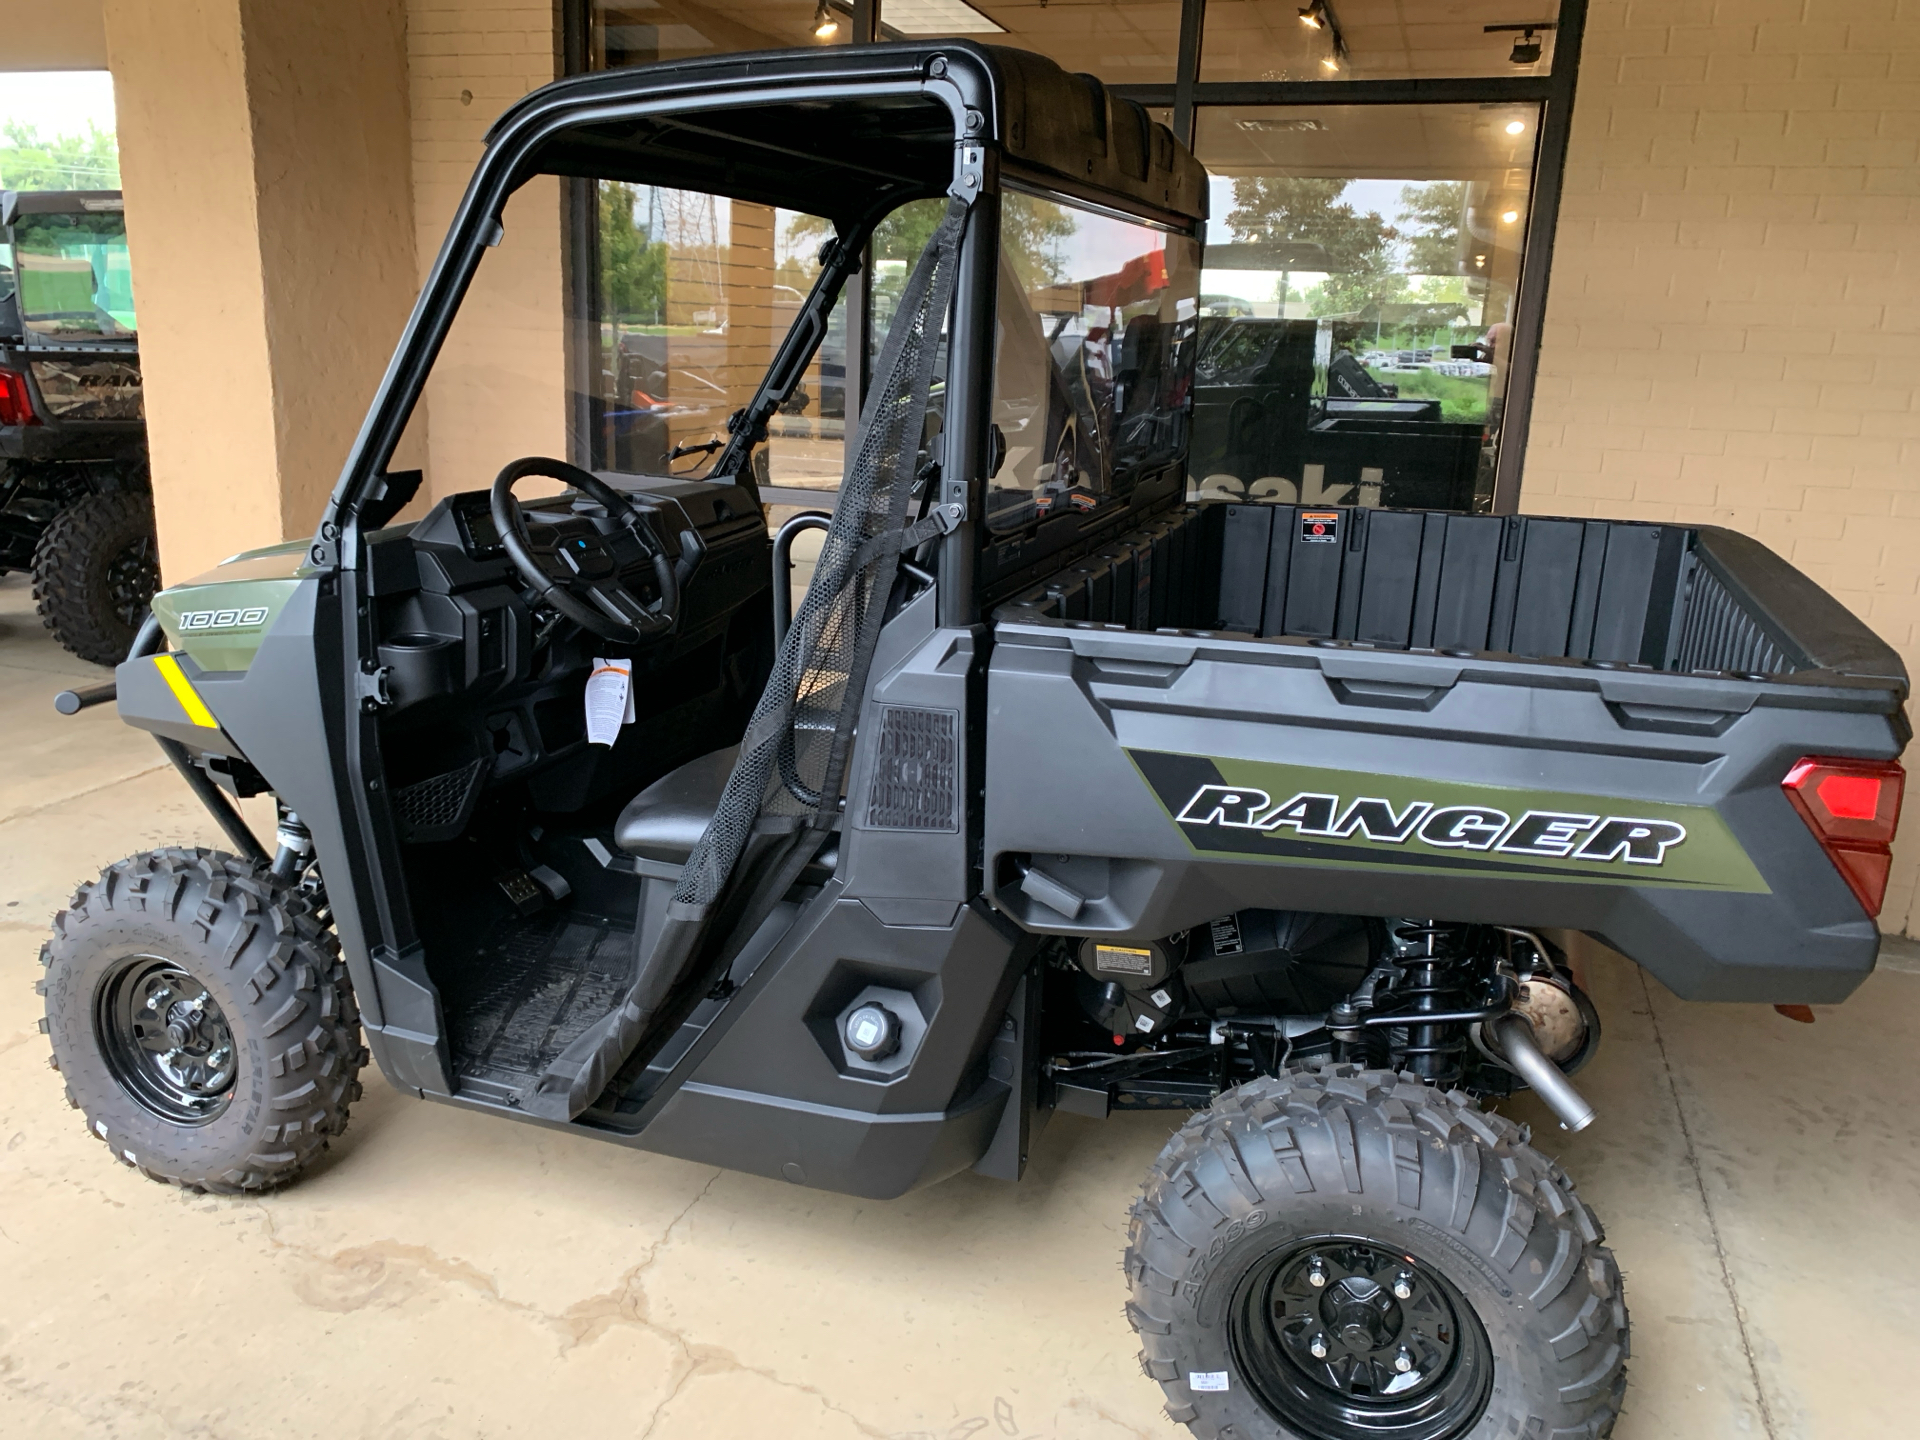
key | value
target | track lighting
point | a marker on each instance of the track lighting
(825, 23)
(1526, 50)
(1318, 15)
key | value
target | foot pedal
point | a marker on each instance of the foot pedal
(531, 891)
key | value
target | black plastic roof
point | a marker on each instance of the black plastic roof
(835, 130)
(57, 202)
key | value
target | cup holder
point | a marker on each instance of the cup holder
(420, 667)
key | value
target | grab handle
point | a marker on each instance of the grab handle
(783, 539)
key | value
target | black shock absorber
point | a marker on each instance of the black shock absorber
(1433, 959)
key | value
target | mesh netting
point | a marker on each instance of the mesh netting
(786, 783)
(793, 757)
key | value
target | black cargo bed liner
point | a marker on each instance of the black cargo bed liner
(1616, 593)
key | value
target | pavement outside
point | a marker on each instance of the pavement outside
(444, 1275)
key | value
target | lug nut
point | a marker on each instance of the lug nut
(1403, 1362)
(1318, 1345)
(159, 998)
(1316, 1272)
(1403, 1286)
(199, 1003)
(219, 1057)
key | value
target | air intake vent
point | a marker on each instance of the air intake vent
(437, 808)
(916, 771)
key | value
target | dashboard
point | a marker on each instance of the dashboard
(484, 683)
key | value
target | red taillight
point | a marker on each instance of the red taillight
(1853, 809)
(16, 406)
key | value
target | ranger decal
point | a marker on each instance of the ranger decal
(1351, 819)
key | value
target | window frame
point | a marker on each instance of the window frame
(1554, 92)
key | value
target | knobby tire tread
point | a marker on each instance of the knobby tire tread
(1403, 1151)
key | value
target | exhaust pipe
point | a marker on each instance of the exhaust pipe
(1515, 1038)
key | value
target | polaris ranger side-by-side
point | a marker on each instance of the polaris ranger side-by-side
(1047, 796)
(75, 507)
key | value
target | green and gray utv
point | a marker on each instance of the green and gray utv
(1047, 796)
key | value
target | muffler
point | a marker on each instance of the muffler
(1515, 1039)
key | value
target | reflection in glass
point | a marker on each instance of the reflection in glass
(1094, 347)
(640, 32)
(1121, 41)
(1357, 304)
(73, 278)
(1365, 40)
(696, 293)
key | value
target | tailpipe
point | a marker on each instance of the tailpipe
(1515, 1038)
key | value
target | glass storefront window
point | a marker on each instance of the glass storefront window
(1095, 342)
(639, 32)
(696, 293)
(1368, 40)
(1357, 304)
(1123, 42)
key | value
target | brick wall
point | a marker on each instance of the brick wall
(496, 390)
(1733, 325)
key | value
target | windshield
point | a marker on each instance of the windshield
(73, 277)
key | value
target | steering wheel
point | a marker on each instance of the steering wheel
(578, 571)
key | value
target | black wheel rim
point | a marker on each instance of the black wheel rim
(166, 1041)
(1347, 1339)
(132, 577)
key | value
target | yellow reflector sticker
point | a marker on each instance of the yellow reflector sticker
(184, 692)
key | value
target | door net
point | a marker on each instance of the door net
(784, 795)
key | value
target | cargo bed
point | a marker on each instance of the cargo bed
(1651, 685)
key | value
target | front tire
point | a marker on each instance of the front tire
(95, 570)
(202, 1019)
(1347, 1253)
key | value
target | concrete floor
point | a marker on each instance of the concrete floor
(444, 1275)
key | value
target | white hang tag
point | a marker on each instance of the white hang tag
(609, 700)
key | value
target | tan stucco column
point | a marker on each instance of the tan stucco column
(266, 160)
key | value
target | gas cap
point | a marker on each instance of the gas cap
(873, 1032)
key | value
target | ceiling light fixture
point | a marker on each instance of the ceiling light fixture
(825, 23)
(1318, 15)
(1526, 50)
(1510, 216)
(1516, 127)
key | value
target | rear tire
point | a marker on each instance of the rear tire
(95, 569)
(1349, 1173)
(171, 958)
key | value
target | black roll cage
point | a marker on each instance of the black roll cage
(962, 84)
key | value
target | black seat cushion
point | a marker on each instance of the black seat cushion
(666, 820)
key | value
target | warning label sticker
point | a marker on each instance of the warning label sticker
(1120, 960)
(1319, 527)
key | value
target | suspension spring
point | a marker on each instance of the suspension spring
(1432, 957)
